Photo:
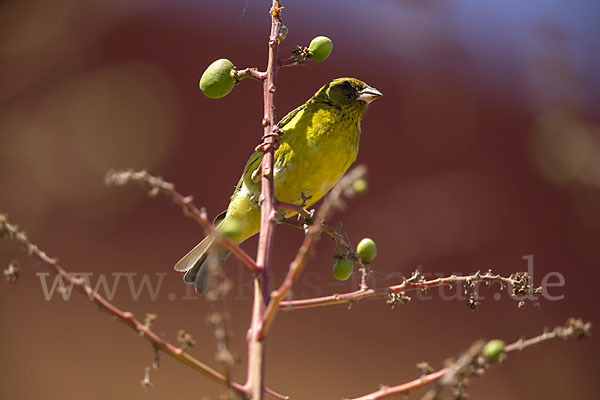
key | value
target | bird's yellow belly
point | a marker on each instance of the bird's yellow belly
(313, 173)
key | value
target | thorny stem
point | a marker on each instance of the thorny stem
(342, 244)
(519, 283)
(458, 369)
(473, 363)
(305, 250)
(300, 56)
(159, 185)
(9, 231)
(256, 345)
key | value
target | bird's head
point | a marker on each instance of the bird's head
(344, 92)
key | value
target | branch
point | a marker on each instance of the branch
(249, 73)
(256, 349)
(520, 284)
(300, 56)
(473, 363)
(158, 185)
(9, 231)
(342, 243)
(309, 240)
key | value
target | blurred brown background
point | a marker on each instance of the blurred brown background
(484, 149)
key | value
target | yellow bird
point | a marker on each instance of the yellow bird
(319, 143)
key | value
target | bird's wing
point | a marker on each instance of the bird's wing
(253, 163)
(290, 115)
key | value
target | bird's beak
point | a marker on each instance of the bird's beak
(369, 94)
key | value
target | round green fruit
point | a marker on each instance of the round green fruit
(342, 269)
(366, 249)
(320, 48)
(494, 349)
(218, 79)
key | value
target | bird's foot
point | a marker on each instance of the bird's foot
(305, 198)
(284, 208)
(266, 144)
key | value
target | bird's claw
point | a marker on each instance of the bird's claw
(304, 199)
(264, 146)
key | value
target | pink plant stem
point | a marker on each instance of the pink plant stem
(250, 73)
(292, 62)
(385, 391)
(256, 344)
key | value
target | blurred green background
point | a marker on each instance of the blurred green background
(484, 149)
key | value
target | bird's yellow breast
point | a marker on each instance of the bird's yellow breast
(318, 146)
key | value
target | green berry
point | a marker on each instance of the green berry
(320, 48)
(218, 79)
(230, 227)
(360, 185)
(494, 349)
(366, 249)
(342, 269)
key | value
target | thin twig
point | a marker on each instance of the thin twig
(343, 249)
(9, 231)
(459, 369)
(473, 363)
(249, 73)
(342, 243)
(299, 57)
(520, 285)
(158, 185)
(341, 240)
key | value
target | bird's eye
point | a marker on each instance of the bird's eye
(347, 85)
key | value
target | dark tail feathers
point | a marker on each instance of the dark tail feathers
(201, 274)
